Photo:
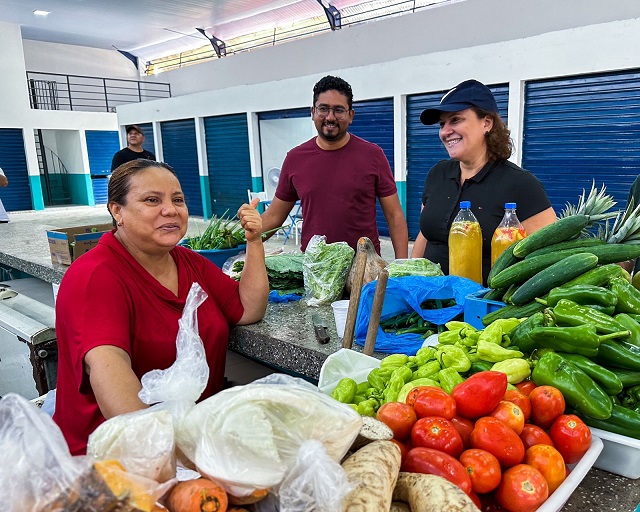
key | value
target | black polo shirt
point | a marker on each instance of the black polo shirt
(497, 183)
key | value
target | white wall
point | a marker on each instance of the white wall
(494, 41)
(69, 59)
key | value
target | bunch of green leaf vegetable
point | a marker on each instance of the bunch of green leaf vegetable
(221, 233)
(284, 272)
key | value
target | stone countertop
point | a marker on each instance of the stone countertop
(284, 339)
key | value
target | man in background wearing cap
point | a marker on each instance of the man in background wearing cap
(134, 150)
(479, 145)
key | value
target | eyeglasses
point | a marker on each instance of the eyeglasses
(338, 112)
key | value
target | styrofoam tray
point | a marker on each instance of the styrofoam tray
(578, 471)
(620, 455)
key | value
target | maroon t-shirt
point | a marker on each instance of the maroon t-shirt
(337, 189)
(107, 298)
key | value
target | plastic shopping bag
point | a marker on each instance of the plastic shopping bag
(325, 268)
(404, 295)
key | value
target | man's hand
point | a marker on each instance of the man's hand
(251, 221)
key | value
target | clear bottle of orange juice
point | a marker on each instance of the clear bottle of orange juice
(508, 232)
(465, 245)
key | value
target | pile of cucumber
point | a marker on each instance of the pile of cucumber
(553, 256)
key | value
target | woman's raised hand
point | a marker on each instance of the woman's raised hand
(251, 221)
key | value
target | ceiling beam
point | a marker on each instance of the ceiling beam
(333, 15)
(129, 56)
(219, 46)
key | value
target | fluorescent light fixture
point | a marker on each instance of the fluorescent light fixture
(38, 12)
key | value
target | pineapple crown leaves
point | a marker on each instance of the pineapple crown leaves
(596, 205)
(625, 229)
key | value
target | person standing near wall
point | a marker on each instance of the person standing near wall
(134, 149)
(337, 177)
(4, 218)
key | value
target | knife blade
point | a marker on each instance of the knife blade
(320, 329)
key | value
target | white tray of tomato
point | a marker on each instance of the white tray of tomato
(513, 449)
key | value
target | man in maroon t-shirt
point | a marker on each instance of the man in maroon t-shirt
(337, 177)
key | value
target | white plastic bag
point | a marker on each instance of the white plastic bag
(247, 438)
(144, 441)
(325, 269)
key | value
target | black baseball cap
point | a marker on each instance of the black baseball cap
(134, 127)
(467, 94)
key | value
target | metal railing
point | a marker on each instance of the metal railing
(53, 91)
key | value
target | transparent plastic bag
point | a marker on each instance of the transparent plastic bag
(247, 438)
(325, 269)
(39, 474)
(144, 441)
(414, 267)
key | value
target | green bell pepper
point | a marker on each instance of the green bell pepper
(449, 379)
(618, 354)
(448, 337)
(628, 296)
(376, 380)
(404, 372)
(494, 353)
(628, 378)
(622, 421)
(390, 393)
(345, 390)
(630, 397)
(424, 355)
(634, 327)
(567, 312)
(583, 294)
(580, 339)
(404, 391)
(367, 408)
(579, 390)
(394, 361)
(497, 329)
(453, 357)
(608, 381)
(480, 366)
(426, 370)
(362, 387)
(516, 370)
(520, 335)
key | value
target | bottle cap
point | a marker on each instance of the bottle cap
(465, 204)
(510, 206)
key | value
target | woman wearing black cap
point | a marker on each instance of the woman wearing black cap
(479, 145)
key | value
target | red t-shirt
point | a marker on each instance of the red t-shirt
(337, 189)
(107, 298)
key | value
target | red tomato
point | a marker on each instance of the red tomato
(464, 428)
(437, 433)
(523, 489)
(510, 414)
(547, 403)
(483, 469)
(434, 401)
(549, 462)
(532, 435)
(521, 400)
(398, 417)
(497, 438)
(404, 449)
(479, 394)
(476, 499)
(526, 387)
(435, 462)
(411, 397)
(571, 437)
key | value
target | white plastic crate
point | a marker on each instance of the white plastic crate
(620, 455)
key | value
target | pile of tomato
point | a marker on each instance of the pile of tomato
(508, 450)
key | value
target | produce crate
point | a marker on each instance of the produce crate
(620, 455)
(67, 244)
(475, 308)
(219, 256)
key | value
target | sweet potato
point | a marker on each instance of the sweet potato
(254, 497)
(431, 493)
(373, 470)
(371, 430)
(199, 495)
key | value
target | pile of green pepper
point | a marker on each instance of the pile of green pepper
(409, 323)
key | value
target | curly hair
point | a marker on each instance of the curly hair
(498, 139)
(333, 83)
(120, 181)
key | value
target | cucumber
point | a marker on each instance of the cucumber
(513, 312)
(506, 259)
(495, 294)
(555, 275)
(506, 298)
(569, 244)
(560, 231)
(614, 253)
(600, 276)
(524, 269)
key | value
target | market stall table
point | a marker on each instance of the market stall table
(285, 339)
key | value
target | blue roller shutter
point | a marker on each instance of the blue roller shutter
(373, 121)
(227, 139)
(582, 128)
(149, 143)
(101, 146)
(181, 153)
(424, 148)
(285, 114)
(17, 195)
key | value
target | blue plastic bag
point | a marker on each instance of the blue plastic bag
(274, 296)
(404, 295)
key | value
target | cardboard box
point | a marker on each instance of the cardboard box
(67, 244)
